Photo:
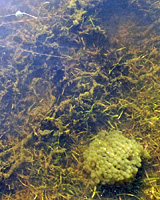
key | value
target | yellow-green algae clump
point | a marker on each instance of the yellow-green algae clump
(112, 158)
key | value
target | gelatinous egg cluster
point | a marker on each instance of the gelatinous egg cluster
(112, 158)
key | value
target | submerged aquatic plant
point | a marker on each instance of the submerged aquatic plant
(65, 76)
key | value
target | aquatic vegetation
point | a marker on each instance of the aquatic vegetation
(64, 77)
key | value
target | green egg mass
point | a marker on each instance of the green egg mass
(112, 158)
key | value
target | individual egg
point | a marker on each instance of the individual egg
(115, 162)
(110, 176)
(102, 134)
(118, 159)
(97, 180)
(138, 164)
(93, 174)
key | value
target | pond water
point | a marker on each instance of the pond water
(68, 70)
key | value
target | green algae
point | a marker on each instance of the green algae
(68, 75)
